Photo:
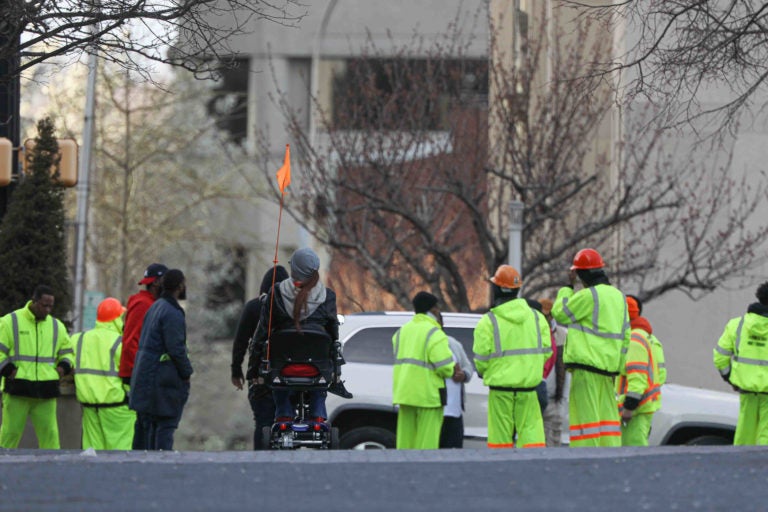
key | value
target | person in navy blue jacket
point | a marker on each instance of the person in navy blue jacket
(160, 379)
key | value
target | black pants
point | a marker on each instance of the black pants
(263, 407)
(452, 433)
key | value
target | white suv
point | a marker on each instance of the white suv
(367, 421)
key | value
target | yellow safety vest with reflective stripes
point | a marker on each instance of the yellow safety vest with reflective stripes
(423, 360)
(97, 361)
(598, 327)
(658, 356)
(639, 378)
(34, 347)
(742, 351)
(511, 344)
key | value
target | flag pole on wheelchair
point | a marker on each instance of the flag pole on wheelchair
(283, 180)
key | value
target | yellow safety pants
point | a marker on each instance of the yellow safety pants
(637, 430)
(593, 411)
(752, 427)
(418, 428)
(42, 413)
(514, 412)
(108, 428)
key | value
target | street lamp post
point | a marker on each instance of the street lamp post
(83, 190)
(516, 213)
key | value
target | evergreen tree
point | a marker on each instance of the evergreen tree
(32, 242)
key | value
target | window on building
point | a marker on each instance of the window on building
(229, 103)
(398, 94)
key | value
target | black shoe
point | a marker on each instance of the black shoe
(337, 388)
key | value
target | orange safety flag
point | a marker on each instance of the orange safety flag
(284, 174)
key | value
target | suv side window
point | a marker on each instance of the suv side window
(372, 345)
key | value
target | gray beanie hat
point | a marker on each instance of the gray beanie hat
(303, 263)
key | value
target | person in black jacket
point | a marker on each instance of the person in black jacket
(259, 396)
(299, 301)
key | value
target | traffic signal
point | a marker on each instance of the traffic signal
(67, 163)
(6, 161)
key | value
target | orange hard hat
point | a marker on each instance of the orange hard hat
(633, 307)
(587, 259)
(507, 277)
(109, 309)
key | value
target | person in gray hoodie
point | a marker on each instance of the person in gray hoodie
(298, 302)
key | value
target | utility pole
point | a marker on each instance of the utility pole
(83, 190)
(516, 224)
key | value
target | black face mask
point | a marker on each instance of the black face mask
(183, 294)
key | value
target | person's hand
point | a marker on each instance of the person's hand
(458, 373)
(13, 373)
(626, 415)
(238, 382)
(59, 370)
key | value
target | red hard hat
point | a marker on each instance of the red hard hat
(633, 308)
(587, 259)
(507, 277)
(109, 309)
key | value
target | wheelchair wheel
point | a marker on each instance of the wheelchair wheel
(266, 438)
(335, 443)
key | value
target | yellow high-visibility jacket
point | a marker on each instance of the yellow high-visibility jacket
(97, 364)
(742, 352)
(35, 348)
(423, 360)
(512, 343)
(638, 388)
(598, 327)
(658, 356)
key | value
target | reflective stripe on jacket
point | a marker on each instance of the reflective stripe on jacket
(511, 344)
(423, 360)
(598, 327)
(742, 351)
(97, 361)
(638, 380)
(35, 348)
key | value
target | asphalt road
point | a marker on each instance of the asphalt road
(561, 479)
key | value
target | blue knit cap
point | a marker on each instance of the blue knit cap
(303, 263)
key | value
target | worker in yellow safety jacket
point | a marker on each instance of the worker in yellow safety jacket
(511, 344)
(595, 349)
(639, 386)
(741, 357)
(423, 360)
(35, 352)
(108, 423)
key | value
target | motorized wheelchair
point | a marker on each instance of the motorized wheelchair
(299, 361)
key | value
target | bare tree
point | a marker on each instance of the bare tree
(190, 33)
(680, 49)
(409, 191)
(163, 173)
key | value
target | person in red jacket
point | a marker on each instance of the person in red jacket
(138, 305)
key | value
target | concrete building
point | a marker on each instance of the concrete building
(294, 61)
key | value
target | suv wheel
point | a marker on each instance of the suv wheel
(368, 438)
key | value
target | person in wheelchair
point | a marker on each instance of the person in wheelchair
(303, 303)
